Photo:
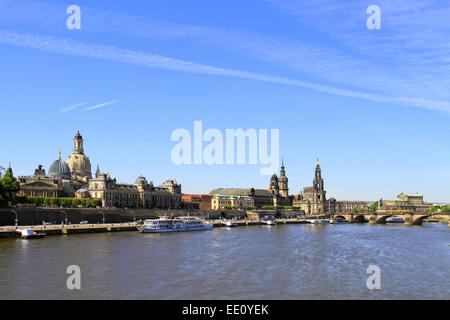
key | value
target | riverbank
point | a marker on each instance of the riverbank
(10, 231)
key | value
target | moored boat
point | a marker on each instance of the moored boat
(30, 234)
(269, 221)
(338, 221)
(228, 223)
(395, 220)
(174, 225)
(318, 221)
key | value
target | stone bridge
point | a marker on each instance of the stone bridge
(411, 218)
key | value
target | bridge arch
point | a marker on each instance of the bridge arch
(359, 218)
(382, 218)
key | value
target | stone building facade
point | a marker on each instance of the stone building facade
(141, 194)
(220, 202)
(40, 185)
(74, 179)
(202, 201)
(276, 195)
(313, 200)
(405, 201)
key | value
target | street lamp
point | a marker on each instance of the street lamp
(16, 221)
(66, 215)
(134, 214)
(103, 217)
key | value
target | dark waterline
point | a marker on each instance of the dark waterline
(259, 262)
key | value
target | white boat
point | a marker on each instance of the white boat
(174, 225)
(269, 221)
(395, 220)
(30, 234)
(318, 221)
(338, 221)
(228, 223)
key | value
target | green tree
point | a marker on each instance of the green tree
(54, 201)
(374, 206)
(95, 202)
(47, 201)
(65, 202)
(76, 202)
(8, 190)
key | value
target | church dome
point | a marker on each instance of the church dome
(282, 178)
(274, 177)
(59, 168)
(79, 164)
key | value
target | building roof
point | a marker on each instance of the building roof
(241, 192)
(59, 168)
(141, 180)
(222, 196)
(412, 194)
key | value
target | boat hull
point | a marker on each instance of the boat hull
(34, 236)
(148, 230)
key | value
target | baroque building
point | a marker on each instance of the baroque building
(73, 178)
(405, 201)
(276, 195)
(79, 164)
(313, 200)
(40, 185)
(141, 194)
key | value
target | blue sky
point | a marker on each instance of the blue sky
(373, 105)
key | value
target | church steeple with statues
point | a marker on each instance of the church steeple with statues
(78, 143)
(283, 182)
(318, 181)
(79, 163)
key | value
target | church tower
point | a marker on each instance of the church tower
(283, 182)
(319, 202)
(78, 162)
(274, 188)
(318, 181)
(78, 143)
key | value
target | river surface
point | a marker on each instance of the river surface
(256, 262)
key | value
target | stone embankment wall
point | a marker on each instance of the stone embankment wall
(35, 216)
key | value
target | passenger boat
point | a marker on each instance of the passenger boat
(30, 234)
(338, 221)
(174, 225)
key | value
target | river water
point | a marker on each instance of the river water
(256, 262)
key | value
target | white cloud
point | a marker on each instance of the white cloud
(101, 105)
(71, 107)
(407, 62)
(111, 53)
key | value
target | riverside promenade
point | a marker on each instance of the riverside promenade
(9, 231)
